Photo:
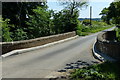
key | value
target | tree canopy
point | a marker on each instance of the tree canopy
(26, 20)
(18, 12)
(74, 5)
(68, 16)
(112, 13)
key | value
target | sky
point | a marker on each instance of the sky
(97, 7)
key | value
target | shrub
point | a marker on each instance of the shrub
(39, 23)
(118, 34)
(86, 29)
(19, 34)
(80, 26)
(6, 34)
(86, 22)
(98, 72)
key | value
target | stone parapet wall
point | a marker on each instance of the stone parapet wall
(106, 44)
(9, 46)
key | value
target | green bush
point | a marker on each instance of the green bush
(39, 23)
(64, 21)
(79, 26)
(86, 29)
(104, 71)
(6, 34)
(78, 32)
(118, 34)
(81, 30)
(19, 34)
(86, 22)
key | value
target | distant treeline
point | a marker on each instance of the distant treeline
(95, 19)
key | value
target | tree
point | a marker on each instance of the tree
(39, 23)
(63, 22)
(105, 16)
(116, 14)
(112, 13)
(74, 5)
(18, 12)
(68, 17)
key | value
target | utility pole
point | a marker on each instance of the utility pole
(90, 15)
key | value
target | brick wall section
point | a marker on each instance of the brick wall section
(105, 44)
(9, 46)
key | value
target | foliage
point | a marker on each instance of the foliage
(118, 34)
(43, 22)
(105, 16)
(67, 19)
(80, 29)
(112, 13)
(18, 12)
(96, 26)
(63, 22)
(74, 5)
(86, 22)
(39, 23)
(98, 72)
(19, 34)
(6, 34)
(32, 20)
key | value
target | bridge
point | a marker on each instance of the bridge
(40, 63)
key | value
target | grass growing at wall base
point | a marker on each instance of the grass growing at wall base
(104, 71)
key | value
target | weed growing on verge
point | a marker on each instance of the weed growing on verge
(104, 71)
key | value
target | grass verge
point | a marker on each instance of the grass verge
(83, 30)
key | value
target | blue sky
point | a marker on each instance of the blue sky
(97, 6)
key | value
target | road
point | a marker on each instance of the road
(42, 62)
